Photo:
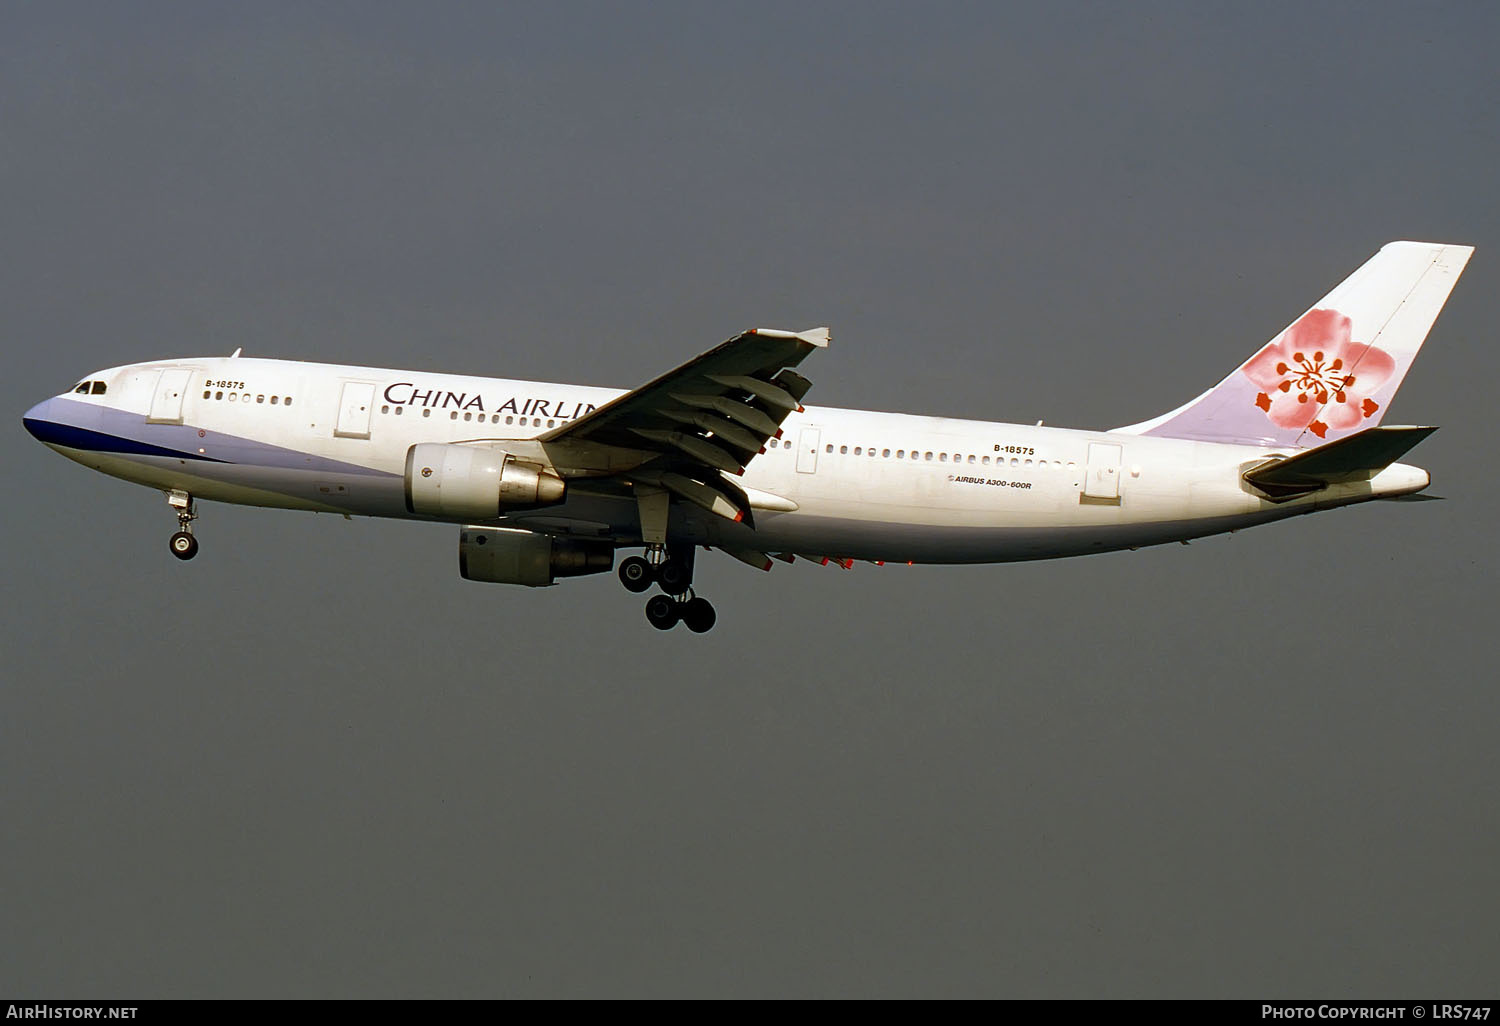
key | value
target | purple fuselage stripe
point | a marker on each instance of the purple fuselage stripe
(116, 431)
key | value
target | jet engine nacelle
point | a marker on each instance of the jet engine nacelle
(502, 556)
(473, 482)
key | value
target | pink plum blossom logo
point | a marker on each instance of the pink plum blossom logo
(1316, 377)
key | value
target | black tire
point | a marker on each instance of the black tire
(183, 545)
(674, 576)
(698, 615)
(662, 612)
(636, 574)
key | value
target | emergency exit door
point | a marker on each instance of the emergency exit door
(807, 450)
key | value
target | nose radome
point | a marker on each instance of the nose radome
(36, 418)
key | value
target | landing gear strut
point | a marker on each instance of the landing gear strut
(183, 544)
(670, 566)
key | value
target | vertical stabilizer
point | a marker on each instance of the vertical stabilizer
(1333, 371)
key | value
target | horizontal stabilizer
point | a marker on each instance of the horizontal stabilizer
(1357, 457)
(812, 336)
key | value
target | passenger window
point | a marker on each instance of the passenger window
(971, 459)
(99, 388)
(468, 416)
(400, 410)
(426, 412)
(885, 453)
(207, 394)
(288, 400)
(510, 420)
(829, 449)
(453, 415)
(275, 399)
(942, 457)
(385, 409)
(260, 399)
(927, 457)
(843, 450)
(857, 451)
(986, 461)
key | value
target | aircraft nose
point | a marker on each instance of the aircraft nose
(37, 418)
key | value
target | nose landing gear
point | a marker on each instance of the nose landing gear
(183, 544)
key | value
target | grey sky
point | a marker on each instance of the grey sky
(314, 762)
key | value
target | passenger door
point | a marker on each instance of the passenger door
(356, 403)
(166, 400)
(1101, 482)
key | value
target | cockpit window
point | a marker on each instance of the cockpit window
(98, 388)
(82, 389)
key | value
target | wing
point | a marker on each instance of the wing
(683, 431)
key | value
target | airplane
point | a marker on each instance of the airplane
(548, 481)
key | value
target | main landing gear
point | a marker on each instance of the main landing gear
(695, 613)
(673, 571)
(636, 574)
(183, 544)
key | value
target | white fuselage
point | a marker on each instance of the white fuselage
(839, 483)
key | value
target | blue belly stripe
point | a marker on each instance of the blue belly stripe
(97, 441)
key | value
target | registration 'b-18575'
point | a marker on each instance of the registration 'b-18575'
(547, 481)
